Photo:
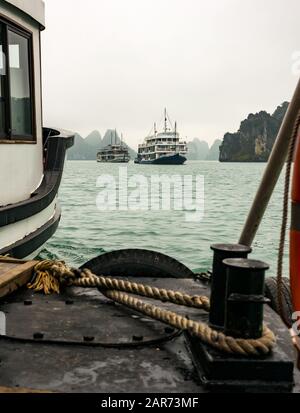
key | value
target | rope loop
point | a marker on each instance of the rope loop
(49, 276)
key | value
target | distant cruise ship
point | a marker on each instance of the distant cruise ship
(163, 148)
(114, 153)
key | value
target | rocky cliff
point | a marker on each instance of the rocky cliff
(214, 151)
(254, 141)
(83, 149)
(197, 150)
(87, 149)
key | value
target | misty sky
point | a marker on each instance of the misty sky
(118, 63)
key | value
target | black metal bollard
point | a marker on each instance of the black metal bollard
(218, 284)
(244, 298)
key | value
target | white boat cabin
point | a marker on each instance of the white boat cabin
(27, 199)
(20, 99)
(162, 144)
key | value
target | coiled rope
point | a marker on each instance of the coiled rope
(49, 276)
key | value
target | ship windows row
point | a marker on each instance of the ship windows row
(16, 84)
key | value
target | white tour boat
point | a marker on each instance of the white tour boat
(163, 148)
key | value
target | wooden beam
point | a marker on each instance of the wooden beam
(14, 274)
(12, 260)
(15, 390)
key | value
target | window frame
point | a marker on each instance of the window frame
(8, 136)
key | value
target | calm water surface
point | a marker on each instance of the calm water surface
(85, 232)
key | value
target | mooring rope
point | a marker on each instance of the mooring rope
(285, 212)
(49, 276)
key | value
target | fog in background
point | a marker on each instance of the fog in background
(118, 63)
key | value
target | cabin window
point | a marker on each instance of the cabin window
(16, 103)
(2, 85)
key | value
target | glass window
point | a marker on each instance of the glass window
(2, 83)
(20, 90)
(16, 102)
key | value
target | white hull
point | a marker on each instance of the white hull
(16, 232)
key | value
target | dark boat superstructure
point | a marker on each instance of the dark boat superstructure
(114, 153)
(163, 148)
(31, 157)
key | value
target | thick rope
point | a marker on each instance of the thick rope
(49, 276)
(175, 297)
(201, 330)
(285, 212)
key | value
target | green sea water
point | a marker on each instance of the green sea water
(86, 232)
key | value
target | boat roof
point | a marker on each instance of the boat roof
(114, 145)
(32, 8)
(109, 147)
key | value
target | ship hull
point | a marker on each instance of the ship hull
(25, 225)
(112, 161)
(164, 160)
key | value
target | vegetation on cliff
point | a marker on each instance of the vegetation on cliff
(255, 139)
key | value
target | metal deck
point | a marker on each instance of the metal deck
(82, 342)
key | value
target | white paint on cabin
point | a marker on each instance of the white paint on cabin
(21, 165)
(33, 8)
